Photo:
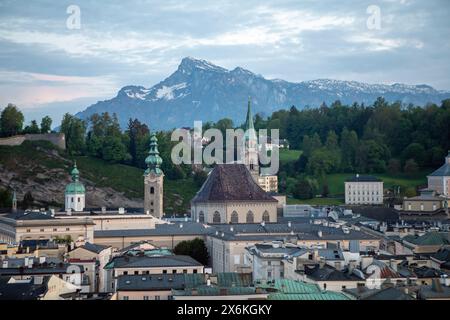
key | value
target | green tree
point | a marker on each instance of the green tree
(32, 128)
(28, 201)
(11, 121)
(349, 148)
(394, 166)
(137, 135)
(332, 140)
(46, 124)
(415, 151)
(5, 198)
(194, 248)
(74, 130)
(199, 178)
(411, 166)
(114, 150)
(303, 190)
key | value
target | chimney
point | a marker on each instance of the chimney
(41, 260)
(181, 225)
(319, 233)
(289, 224)
(231, 229)
(5, 264)
(103, 209)
(121, 210)
(69, 211)
(147, 212)
(208, 282)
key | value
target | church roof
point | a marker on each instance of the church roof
(75, 187)
(443, 171)
(231, 182)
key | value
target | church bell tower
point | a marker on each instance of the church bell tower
(251, 159)
(153, 181)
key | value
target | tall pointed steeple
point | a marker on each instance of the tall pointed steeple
(251, 144)
(153, 159)
(249, 119)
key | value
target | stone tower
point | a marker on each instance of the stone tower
(250, 158)
(153, 181)
(75, 192)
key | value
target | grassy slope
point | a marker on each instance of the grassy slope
(336, 181)
(287, 155)
(127, 179)
(29, 159)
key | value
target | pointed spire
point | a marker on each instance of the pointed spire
(250, 133)
(249, 118)
(153, 160)
(75, 173)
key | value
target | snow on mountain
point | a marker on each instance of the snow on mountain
(200, 90)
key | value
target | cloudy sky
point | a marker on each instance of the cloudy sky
(48, 67)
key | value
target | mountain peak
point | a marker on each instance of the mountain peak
(188, 64)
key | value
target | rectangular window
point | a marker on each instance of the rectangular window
(195, 270)
(145, 297)
(184, 270)
(136, 272)
(157, 298)
(67, 229)
(164, 271)
(42, 230)
(54, 229)
(174, 271)
(28, 230)
(125, 273)
(125, 297)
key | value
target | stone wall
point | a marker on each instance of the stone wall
(58, 139)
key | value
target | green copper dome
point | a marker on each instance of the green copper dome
(153, 159)
(75, 186)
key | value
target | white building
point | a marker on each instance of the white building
(439, 180)
(363, 190)
(75, 192)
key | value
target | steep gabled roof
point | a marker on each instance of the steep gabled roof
(231, 182)
(444, 170)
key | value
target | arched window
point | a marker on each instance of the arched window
(152, 190)
(201, 217)
(266, 216)
(234, 217)
(250, 217)
(216, 217)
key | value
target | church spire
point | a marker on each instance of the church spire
(249, 119)
(75, 173)
(153, 160)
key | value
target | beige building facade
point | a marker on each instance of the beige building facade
(363, 190)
